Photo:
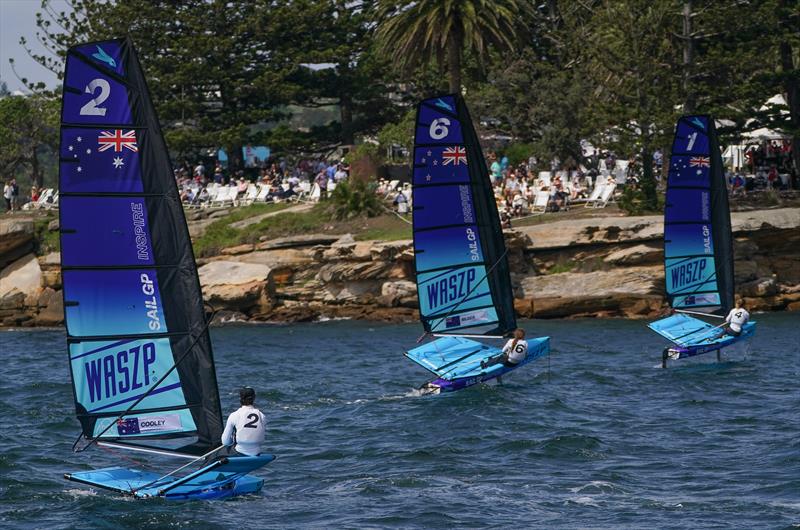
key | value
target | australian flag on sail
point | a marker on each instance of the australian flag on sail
(100, 160)
(440, 165)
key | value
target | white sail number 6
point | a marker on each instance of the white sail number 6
(92, 108)
(439, 129)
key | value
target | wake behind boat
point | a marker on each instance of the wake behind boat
(462, 271)
(698, 244)
(140, 354)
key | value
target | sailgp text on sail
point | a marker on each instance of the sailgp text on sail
(151, 303)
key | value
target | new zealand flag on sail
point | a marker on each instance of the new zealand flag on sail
(100, 160)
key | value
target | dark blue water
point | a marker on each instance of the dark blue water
(608, 440)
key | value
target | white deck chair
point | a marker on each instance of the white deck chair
(595, 195)
(52, 203)
(263, 193)
(605, 196)
(540, 202)
(392, 188)
(250, 195)
(545, 178)
(42, 202)
(315, 193)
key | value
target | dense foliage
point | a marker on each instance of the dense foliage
(225, 73)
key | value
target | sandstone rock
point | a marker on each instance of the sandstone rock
(236, 286)
(362, 251)
(645, 253)
(793, 306)
(744, 248)
(340, 271)
(53, 225)
(238, 249)
(758, 288)
(362, 292)
(216, 214)
(23, 276)
(562, 234)
(398, 293)
(304, 240)
(390, 250)
(345, 240)
(52, 314)
(779, 218)
(277, 258)
(338, 252)
(745, 271)
(632, 291)
(16, 239)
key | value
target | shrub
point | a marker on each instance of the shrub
(354, 199)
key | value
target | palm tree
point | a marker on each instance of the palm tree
(414, 32)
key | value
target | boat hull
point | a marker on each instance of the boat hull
(691, 350)
(222, 479)
(538, 348)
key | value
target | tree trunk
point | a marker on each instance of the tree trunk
(346, 117)
(235, 159)
(454, 45)
(792, 87)
(689, 102)
(36, 176)
(648, 179)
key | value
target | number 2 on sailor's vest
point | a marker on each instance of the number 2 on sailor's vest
(253, 423)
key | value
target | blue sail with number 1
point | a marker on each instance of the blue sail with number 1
(462, 270)
(698, 244)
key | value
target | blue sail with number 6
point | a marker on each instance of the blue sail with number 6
(462, 269)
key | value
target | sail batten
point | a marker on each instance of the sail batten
(697, 231)
(462, 272)
(133, 305)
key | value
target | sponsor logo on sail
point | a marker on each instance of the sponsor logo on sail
(120, 372)
(142, 248)
(151, 303)
(450, 288)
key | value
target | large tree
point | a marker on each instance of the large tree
(216, 67)
(415, 32)
(28, 132)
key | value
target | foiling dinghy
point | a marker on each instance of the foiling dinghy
(139, 349)
(698, 245)
(462, 270)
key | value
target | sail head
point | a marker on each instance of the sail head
(462, 271)
(132, 299)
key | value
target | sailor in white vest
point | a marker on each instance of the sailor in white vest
(735, 320)
(514, 352)
(245, 427)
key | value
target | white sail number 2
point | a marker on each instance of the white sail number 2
(438, 129)
(92, 108)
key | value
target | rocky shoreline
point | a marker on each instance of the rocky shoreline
(608, 267)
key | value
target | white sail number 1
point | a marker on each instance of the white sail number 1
(692, 138)
(438, 129)
(92, 108)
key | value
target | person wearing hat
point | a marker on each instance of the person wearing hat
(245, 427)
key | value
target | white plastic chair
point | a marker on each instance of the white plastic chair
(595, 195)
(540, 202)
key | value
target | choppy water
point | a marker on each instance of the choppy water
(608, 440)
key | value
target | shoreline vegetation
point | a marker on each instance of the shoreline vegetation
(291, 263)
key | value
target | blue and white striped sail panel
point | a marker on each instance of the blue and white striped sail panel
(698, 255)
(462, 270)
(132, 300)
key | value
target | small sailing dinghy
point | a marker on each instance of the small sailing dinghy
(140, 355)
(462, 270)
(698, 245)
